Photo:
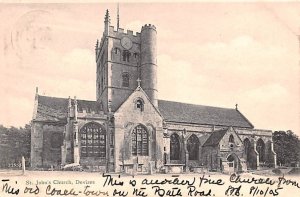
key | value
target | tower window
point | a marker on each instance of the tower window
(116, 51)
(140, 105)
(139, 141)
(125, 80)
(126, 56)
(135, 55)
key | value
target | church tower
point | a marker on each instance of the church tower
(148, 65)
(122, 58)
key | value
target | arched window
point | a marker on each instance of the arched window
(139, 140)
(231, 139)
(116, 50)
(260, 147)
(126, 56)
(193, 147)
(174, 147)
(247, 148)
(125, 80)
(93, 141)
(140, 104)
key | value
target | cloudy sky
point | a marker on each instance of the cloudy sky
(215, 54)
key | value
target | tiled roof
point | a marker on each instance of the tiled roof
(200, 114)
(215, 137)
(55, 109)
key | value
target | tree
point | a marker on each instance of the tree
(287, 147)
(14, 143)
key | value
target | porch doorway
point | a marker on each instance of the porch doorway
(233, 163)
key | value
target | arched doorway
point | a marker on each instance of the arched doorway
(260, 147)
(93, 141)
(174, 147)
(193, 147)
(233, 163)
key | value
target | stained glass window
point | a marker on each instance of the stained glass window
(93, 141)
(140, 141)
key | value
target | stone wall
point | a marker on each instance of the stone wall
(45, 149)
(126, 119)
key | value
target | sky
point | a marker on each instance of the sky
(215, 54)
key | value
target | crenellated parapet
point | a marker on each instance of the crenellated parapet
(120, 31)
(148, 26)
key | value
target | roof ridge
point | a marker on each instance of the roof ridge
(65, 98)
(51, 97)
(197, 104)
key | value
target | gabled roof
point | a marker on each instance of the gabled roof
(200, 114)
(215, 137)
(140, 89)
(56, 109)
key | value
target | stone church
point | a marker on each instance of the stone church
(129, 129)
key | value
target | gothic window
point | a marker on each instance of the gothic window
(139, 141)
(125, 80)
(174, 147)
(193, 147)
(56, 140)
(231, 139)
(126, 56)
(139, 105)
(116, 50)
(93, 141)
(135, 55)
(260, 147)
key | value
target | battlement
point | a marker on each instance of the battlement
(148, 26)
(112, 30)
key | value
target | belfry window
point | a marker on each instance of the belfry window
(125, 80)
(93, 141)
(116, 50)
(139, 138)
(126, 56)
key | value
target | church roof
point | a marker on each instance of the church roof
(215, 137)
(56, 109)
(200, 114)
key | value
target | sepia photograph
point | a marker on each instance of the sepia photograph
(151, 98)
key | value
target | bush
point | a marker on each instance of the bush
(277, 171)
